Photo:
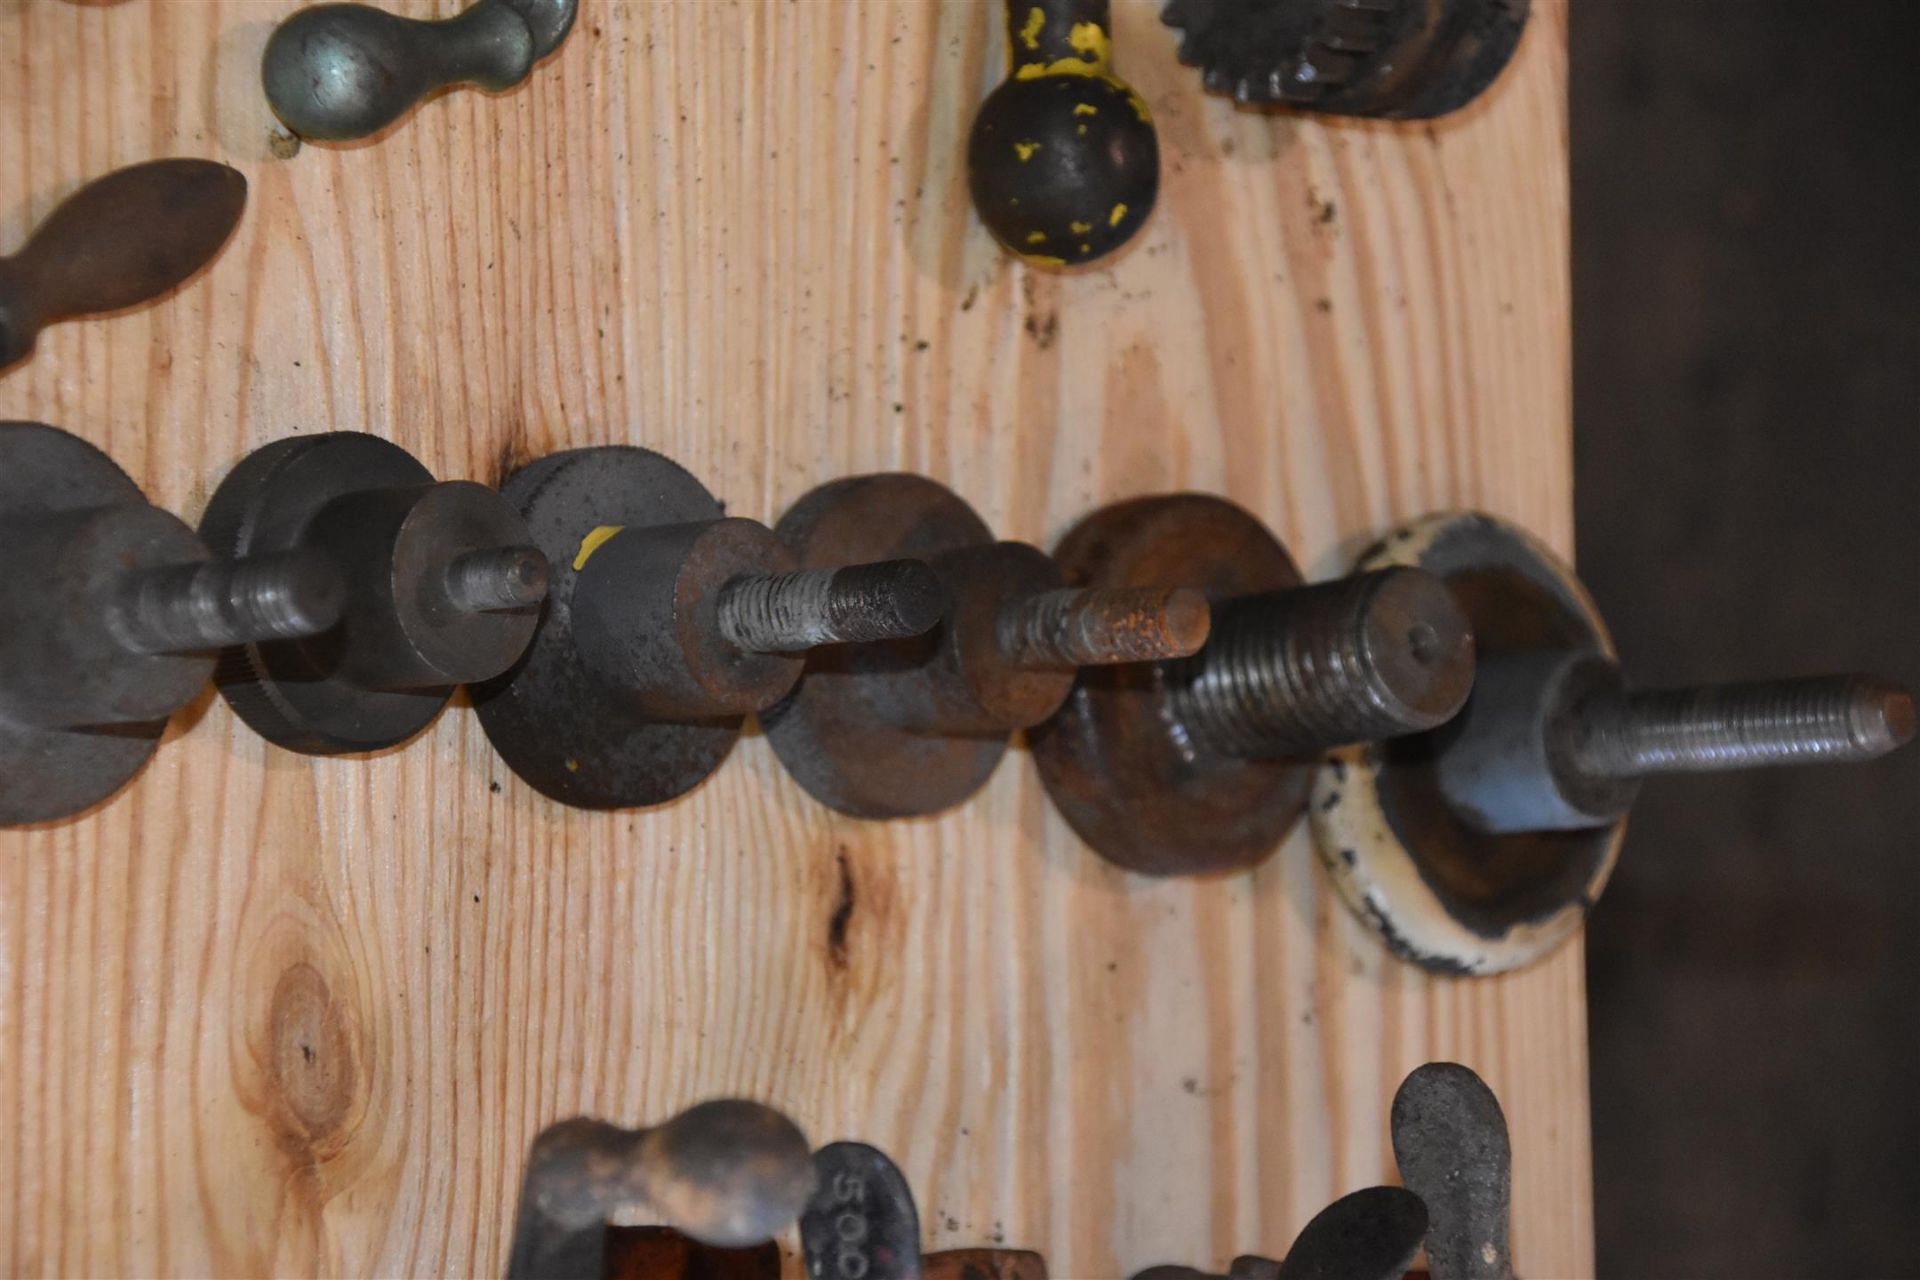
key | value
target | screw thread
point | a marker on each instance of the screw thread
(1093, 627)
(1300, 671)
(214, 604)
(787, 612)
(497, 578)
(1825, 719)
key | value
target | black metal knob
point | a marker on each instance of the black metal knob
(119, 241)
(336, 72)
(1063, 161)
(111, 611)
(444, 588)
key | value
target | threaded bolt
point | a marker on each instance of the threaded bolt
(1300, 671)
(213, 604)
(788, 612)
(497, 578)
(1094, 627)
(1826, 719)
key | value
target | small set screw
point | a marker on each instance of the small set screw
(1086, 627)
(1818, 720)
(193, 608)
(790, 612)
(496, 578)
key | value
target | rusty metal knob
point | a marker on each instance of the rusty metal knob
(728, 1172)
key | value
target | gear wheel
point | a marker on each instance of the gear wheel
(1398, 59)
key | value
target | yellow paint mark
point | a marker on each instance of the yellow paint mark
(592, 543)
(1086, 109)
(1025, 150)
(1119, 212)
(1079, 228)
(1086, 248)
(1044, 260)
(1036, 237)
(1090, 38)
(573, 766)
(1036, 23)
(1081, 130)
(1095, 57)
(1139, 106)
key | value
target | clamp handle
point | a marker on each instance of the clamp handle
(1062, 160)
(336, 72)
(121, 240)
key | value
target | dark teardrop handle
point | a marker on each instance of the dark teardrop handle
(119, 241)
(1372, 1234)
(336, 72)
(1062, 161)
(1450, 1141)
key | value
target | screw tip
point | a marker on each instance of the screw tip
(1187, 620)
(919, 596)
(1421, 645)
(1886, 714)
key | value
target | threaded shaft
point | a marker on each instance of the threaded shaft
(1300, 671)
(787, 612)
(1828, 719)
(190, 608)
(497, 578)
(1093, 627)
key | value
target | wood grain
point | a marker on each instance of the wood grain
(265, 1014)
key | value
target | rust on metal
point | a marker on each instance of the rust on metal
(915, 727)
(661, 1253)
(1136, 789)
(983, 1264)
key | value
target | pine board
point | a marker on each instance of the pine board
(264, 1014)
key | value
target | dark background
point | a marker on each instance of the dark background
(1746, 208)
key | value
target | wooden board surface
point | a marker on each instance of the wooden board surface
(261, 1013)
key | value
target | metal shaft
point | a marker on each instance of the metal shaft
(1091, 627)
(787, 612)
(1830, 719)
(191, 608)
(1300, 671)
(497, 578)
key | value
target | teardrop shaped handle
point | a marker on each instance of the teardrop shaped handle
(1450, 1141)
(336, 72)
(121, 240)
(1062, 161)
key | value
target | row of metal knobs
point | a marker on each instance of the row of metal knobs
(1301, 673)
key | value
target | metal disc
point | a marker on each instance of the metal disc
(1114, 760)
(555, 724)
(1442, 894)
(290, 691)
(831, 732)
(861, 1223)
(55, 773)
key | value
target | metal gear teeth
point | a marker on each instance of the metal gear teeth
(1247, 49)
